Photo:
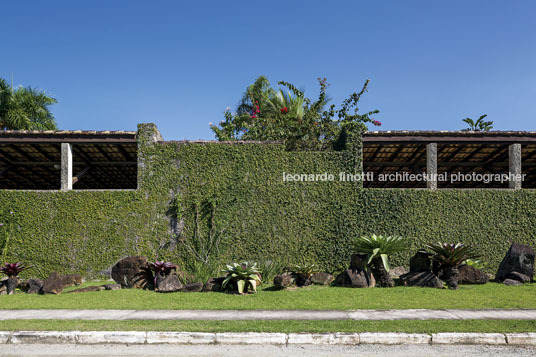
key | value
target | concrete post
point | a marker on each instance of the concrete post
(66, 167)
(431, 166)
(514, 151)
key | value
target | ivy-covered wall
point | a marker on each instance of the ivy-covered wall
(246, 211)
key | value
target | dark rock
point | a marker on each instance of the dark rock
(470, 275)
(168, 284)
(71, 280)
(34, 286)
(112, 286)
(358, 262)
(284, 280)
(132, 272)
(11, 284)
(397, 271)
(53, 284)
(213, 284)
(355, 278)
(23, 285)
(511, 282)
(519, 258)
(425, 279)
(322, 278)
(87, 289)
(302, 280)
(421, 261)
(522, 278)
(192, 288)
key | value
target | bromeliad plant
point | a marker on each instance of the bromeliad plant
(378, 249)
(244, 275)
(161, 269)
(13, 269)
(450, 257)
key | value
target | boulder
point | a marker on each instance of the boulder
(470, 275)
(358, 262)
(34, 286)
(87, 289)
(3, 287)
(168, 284)
(519, 258)
(112, 286)
(425, 279)
(71, 280)
(511, 282)
(421, 261)
(322, 278)
(132, 272)
(213, 284)
(522, 278)
(284, 280)
(52, 285)
(355, 278)
(397, 271)
(192, 288)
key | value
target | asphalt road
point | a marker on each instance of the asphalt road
(261, 351)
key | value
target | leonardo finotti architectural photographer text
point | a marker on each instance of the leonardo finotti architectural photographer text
(403, 177)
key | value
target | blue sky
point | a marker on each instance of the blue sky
(113, 64)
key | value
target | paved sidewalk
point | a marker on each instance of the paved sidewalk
(409, 314)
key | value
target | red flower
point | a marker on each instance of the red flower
(252, 116)
(284, 110)
(377, 123)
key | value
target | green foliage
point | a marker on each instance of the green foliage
(270, 268)
(479, 124)
(450, 254)
(475, 264)
(86, 232)
(244, 275)
(25, 108)
(269, 114)
(379, 247)
(306, 271)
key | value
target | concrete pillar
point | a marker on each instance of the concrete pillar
(431, 166)
(514, 153)
(66, 167)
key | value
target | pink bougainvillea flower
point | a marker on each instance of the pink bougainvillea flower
(284, 110)
(252, 116)
(377, 123)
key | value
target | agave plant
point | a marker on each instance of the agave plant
(378, 249)
(244, 275)
(13, 269)
(450, 256)
(304, 273)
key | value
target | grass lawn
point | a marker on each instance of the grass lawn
(427, 326)
(490, 295)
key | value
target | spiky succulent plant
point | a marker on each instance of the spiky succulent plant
(13, 269)
(244, 275)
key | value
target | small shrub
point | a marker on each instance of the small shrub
(245, 276)
(378, 249)
(450, 256)
(304, 273)
(161, 268)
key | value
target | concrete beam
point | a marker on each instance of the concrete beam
(431, 166)
(66, 167)
(514, 153)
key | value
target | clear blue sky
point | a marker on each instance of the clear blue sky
(113, 64)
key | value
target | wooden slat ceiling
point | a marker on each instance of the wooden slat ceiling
(35, 164)
(386, 158)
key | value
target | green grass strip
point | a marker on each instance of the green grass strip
(425, 326)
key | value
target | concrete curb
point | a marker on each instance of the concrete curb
(253, 338)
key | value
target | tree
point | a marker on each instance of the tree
(265, 113)
(479, 124)
(25, 108)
